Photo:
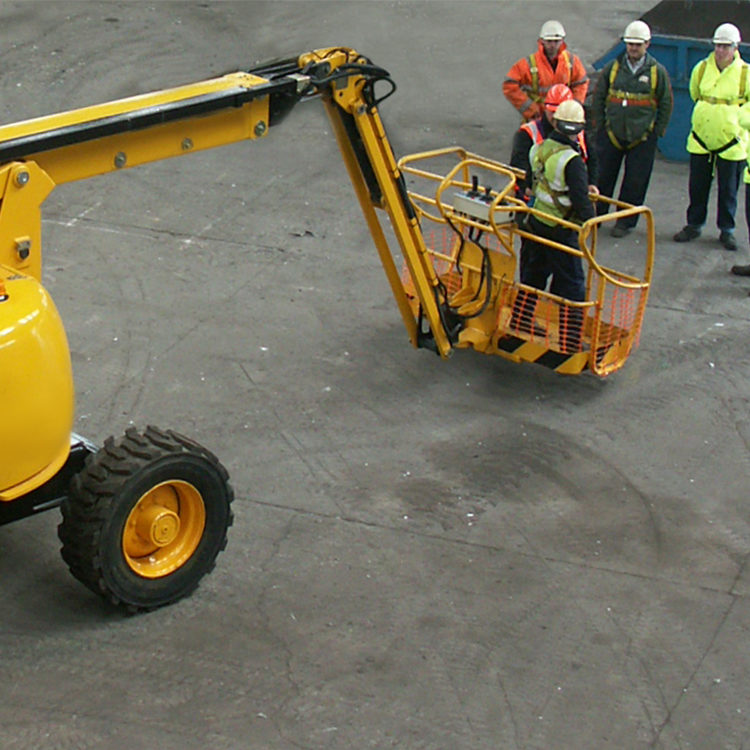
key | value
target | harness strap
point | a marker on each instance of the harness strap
(534, 70)
(701, 71)
(568, 63)
(628, 98)
(741, 97)
(717, 151)
(536, 92)
(620, 147)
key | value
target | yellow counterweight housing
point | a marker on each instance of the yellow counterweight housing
(36, 386)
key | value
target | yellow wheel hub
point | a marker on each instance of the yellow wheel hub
(164, 529)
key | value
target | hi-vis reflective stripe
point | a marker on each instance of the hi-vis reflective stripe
(533, 130)
(521, 350)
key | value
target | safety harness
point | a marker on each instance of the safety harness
(629, 99)
(740, 99)
(537, 95)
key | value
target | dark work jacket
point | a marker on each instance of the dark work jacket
(631, 123)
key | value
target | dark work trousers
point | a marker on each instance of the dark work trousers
(639, 161)
(728, 175)
(539, 262)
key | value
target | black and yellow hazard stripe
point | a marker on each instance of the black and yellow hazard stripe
(523, 350)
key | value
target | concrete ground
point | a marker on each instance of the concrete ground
(426, 554)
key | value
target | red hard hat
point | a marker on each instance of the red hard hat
(556, 95)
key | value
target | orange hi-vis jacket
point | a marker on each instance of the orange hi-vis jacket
(531, 77)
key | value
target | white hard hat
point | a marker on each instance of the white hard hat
(637, 32)
(570, 117)
(552, 31)
(727, 33)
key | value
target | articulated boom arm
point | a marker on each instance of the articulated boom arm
(36, 155)
(458, 243)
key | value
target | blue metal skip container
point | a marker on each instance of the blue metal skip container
(679, 55)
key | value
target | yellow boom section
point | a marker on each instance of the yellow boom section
(153, 136)
(365, 147)
(90, 141)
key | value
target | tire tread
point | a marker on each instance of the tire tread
(86, 509)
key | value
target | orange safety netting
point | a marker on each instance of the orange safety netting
(608, 324)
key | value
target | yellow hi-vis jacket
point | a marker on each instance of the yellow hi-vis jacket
(718, 96)
(744, 119)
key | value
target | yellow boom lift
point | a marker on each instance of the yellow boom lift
(145, 516)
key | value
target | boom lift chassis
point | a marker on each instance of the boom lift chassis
(145, 516)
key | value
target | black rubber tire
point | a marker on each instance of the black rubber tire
(102, 496)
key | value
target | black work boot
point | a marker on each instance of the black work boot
(618, 230)
(728, 240)
(687, 233)
(741, 270)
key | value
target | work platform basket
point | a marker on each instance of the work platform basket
(473, 224)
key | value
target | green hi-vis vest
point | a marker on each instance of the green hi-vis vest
(548, 161)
